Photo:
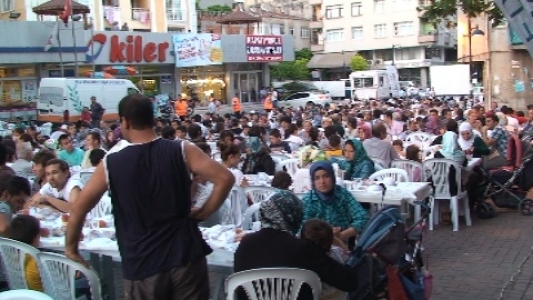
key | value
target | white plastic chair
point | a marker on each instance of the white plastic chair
(59, 275)
(14, 254)
(251, 214)
(24, 295)
(397, 174)
(439, 168)
(216, 156)
(273, 283)
(291, 165)
(85, 176)
(410, 167)
(103, 208)
(259, 193)
(379, 164)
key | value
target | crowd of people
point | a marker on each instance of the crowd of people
(150, 169)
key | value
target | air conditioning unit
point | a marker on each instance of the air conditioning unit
(378, 61)
(370, 62)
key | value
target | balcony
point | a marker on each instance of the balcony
(316, 22)
(315, 2)
(175, 15)
(428, 38)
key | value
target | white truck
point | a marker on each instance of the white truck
(375, 84)
(63, 99)
(450, 80)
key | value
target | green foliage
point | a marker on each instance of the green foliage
(359, 63)
(293, 70)
(297, 86)
(440, 11)
(303, 54)
(74, 98)
(290, 70)
(218, 7)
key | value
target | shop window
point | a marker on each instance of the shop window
(26, 72)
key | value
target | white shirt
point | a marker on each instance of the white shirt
(511, 121)
(239, 176)
(64, 194)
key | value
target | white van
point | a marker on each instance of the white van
(375, 84)
(63, 99)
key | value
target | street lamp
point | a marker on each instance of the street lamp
(471, 33)
(394, 46)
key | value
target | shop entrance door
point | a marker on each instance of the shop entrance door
(246, 85)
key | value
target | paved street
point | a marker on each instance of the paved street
(475, 263)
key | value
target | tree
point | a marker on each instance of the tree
(359, 63)
(291, 70)
(218, 7)
(439, 11)
(304, 53)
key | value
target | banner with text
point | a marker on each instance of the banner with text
(197, 49)
(264, 48)
(518, 14)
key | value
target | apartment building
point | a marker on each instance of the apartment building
(299, 8)
(125, 15)
(385, 32)
(272, 23)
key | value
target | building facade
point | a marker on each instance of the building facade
(501, 62)
(125, 15)
(159, 64)
(385, 32)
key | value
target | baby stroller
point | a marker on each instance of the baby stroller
(389, 258)
(508, 185)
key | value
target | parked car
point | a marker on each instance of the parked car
(300, 99)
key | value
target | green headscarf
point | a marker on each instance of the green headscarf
(359, 156)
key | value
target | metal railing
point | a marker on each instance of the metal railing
(175, 14)
(140, 14)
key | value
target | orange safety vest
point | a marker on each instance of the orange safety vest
(268, 103)
(181, 108)
(236, 104)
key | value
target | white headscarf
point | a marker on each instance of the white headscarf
(466, 144)
(450, 148)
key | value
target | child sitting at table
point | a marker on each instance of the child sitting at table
(14, 193)
(398, 147)
(26, 229)
(321, 233)
(334, 146)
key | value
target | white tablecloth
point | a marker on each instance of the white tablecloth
(394, 195)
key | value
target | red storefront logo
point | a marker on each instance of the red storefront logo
(135, 50)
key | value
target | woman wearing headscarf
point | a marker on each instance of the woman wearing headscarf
(356, 164)
(364, 131)
(275, 245)
(471, 143)
(450, 150)
(257, 158)
(332, 203)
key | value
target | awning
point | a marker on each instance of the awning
(331, 60)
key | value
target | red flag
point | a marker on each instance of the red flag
(64, 16)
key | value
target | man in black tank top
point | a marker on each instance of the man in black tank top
(162, 250)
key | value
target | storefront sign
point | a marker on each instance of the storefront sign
(117, 47)
(193, 50)
(264, 48)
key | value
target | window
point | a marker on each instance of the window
(356, 9)
(281, 29)
(291, 30)
(407, 53)
(363, 82)
(402, 5)
(304, 33)
(334, 11)
(7, 6)
(380, 31)
(335, 35)
(357, 33)
(379, 6)
(403, 28)
(431, 53)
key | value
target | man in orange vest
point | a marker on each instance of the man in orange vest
(268, 105)
(181, 108)
(236, 103)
